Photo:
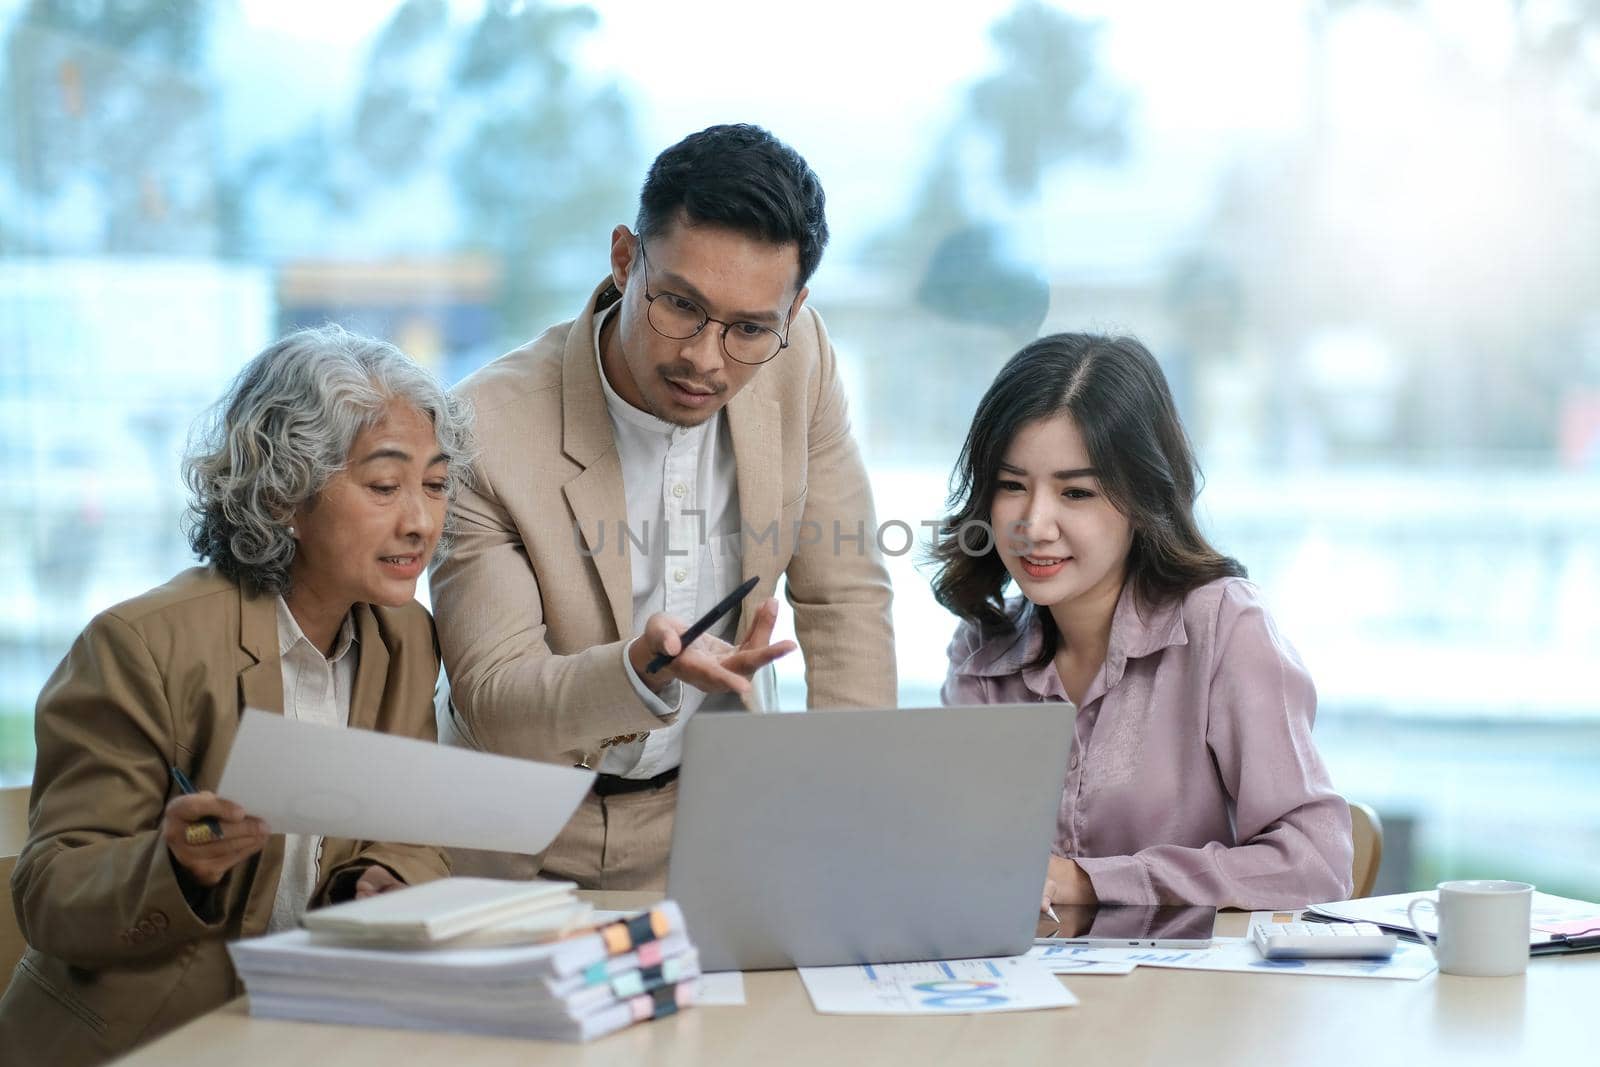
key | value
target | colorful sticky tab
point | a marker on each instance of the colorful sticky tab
(666, 1001)
(646, 979)
(642, 928)
(617, 938)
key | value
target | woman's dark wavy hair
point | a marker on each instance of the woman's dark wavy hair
(1116, 395)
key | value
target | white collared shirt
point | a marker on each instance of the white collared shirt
(316, 689)
(682, 495)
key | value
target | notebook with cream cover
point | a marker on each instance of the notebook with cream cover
(441, 911)
(551, 924)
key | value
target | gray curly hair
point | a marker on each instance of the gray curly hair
(285, 427)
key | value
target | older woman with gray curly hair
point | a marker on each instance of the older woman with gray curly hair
(321, 490)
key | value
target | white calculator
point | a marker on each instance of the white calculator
(1321, 941)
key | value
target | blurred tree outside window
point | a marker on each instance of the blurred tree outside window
(1362, 236)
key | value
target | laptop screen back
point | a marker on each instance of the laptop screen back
(839, 837)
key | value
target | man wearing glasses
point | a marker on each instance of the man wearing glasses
(685, 432)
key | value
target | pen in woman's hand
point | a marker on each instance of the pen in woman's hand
(208, 828)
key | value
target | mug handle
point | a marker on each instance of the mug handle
(1431, 943)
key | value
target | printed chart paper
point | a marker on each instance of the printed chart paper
(951, 987)
(1075, 959)
(1240, 954)
(302, 778)
(1551, 916)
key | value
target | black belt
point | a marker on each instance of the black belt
(610, 785)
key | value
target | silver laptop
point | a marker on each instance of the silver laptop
(842, 837)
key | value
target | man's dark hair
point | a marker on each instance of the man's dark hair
(741, 177)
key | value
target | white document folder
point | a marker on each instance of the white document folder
(303, 778)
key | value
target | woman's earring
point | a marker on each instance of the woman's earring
(293, 534)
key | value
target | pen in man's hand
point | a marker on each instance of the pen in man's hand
(206, 829)
(704, 623)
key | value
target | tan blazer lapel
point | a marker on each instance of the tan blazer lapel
(757, 434)
(261, 687)
(261, 683)
(372, 670)
(597, 499)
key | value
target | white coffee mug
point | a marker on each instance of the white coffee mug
(1484, 927)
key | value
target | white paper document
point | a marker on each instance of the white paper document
(720, 989)
(302, 778)
(1240, 954)
(951, 987)
(1551, 916)
(1076, 959)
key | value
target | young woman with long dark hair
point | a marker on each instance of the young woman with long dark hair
(1193, 777)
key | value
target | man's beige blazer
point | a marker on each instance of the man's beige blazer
(533, 609)
(117, 953)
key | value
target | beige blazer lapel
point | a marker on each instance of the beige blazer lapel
(598, 501)
(757, 435)
(372, 670)
(261, 683)
(261, 687)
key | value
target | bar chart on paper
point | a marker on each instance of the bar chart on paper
(950, 987)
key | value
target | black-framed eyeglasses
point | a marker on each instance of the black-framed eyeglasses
(679, 318)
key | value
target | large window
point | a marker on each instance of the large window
(1363, 237)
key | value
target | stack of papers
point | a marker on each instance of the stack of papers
(395, 973)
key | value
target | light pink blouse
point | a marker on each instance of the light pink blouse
(1193, 777)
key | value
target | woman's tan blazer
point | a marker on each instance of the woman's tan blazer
(117, 952)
